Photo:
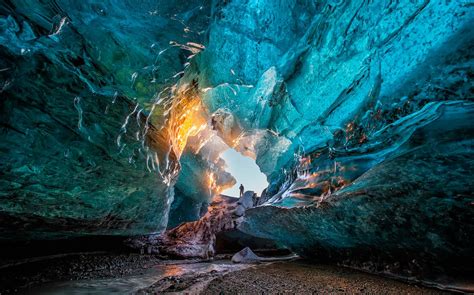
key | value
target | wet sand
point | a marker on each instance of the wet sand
(299, 277)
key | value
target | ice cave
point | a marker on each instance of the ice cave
(236, 146)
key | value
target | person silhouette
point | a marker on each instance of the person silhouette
(241, 189)
(213, 123)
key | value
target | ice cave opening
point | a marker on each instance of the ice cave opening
(127, 128)
(245, 171)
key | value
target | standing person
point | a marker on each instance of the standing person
(213, 123)
(241, 188)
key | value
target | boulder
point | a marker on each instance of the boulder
(247, 199)
(245, 255)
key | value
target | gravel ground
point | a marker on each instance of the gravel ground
(295, 277)
(298, 277)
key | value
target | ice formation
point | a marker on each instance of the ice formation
(360, 113)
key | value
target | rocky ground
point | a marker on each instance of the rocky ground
(299, 277)
(294, 277)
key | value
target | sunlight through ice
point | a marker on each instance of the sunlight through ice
(245, 171)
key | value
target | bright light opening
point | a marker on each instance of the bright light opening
(245, 171)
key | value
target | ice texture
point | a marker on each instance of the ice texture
(364, 116)
(360, 113)
(407, 214)
(79, 153)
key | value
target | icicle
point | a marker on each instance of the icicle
(77, 105)
(115, 97)
(124, 126)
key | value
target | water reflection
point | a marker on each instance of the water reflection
(132, 283)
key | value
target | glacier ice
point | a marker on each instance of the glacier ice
(360, 113)
(80, 152)
(360, 91)
(407, 213)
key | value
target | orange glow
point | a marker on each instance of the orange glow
(173, 270)
(214, 188)
(187, 118)
(363, 138)
(215, 185)
(211, 181)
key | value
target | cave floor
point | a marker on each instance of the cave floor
(105, 273)
(300, 277)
